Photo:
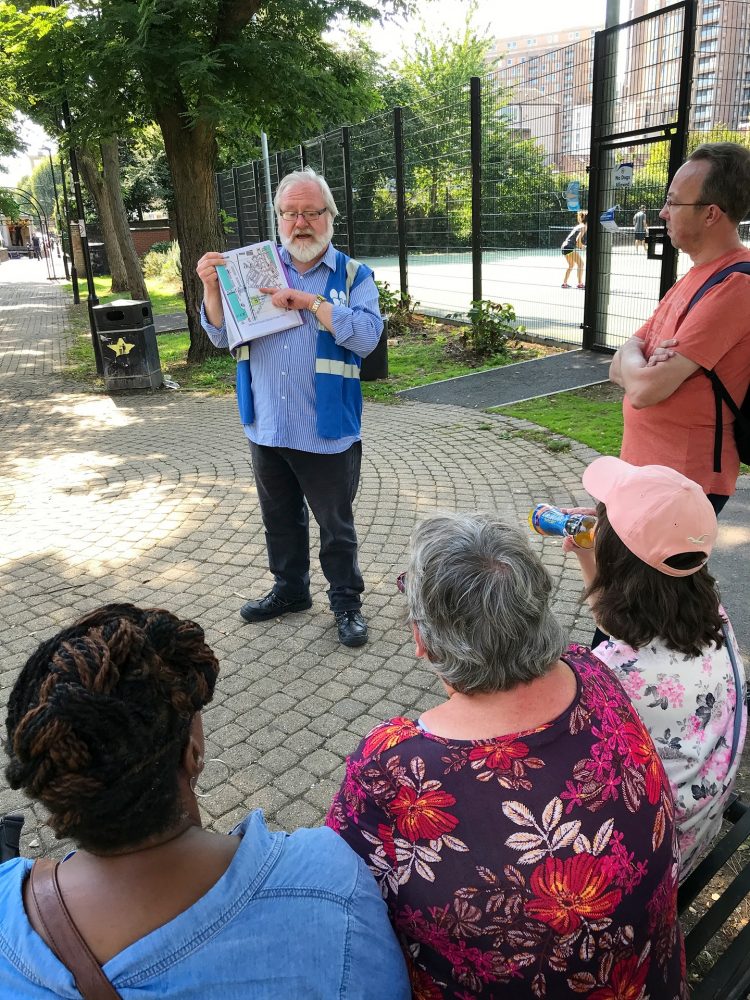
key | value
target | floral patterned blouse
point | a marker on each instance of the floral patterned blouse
(541, 864)
(688, 705)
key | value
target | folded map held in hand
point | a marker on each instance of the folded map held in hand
(248, 313)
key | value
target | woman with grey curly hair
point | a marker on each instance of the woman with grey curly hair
(521, 831)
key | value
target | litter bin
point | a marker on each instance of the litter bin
(98, 257)
(127, 338)
(375, 365)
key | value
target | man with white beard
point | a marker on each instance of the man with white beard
(302, 408)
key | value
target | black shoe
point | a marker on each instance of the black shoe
(272, 606)
(352, 627)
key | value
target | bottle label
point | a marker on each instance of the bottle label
(548, 520)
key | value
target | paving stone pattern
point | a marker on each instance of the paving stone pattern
(148, 497)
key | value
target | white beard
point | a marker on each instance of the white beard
(309, 249)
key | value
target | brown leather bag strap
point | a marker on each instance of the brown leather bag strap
(63, 935)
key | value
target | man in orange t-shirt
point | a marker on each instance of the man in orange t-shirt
(669, 410)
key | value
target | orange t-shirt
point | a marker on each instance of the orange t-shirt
(679, 431)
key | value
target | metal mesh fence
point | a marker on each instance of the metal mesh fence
(406, 208)
(535, 148)
(437, 187)
(638, 85)
(373, 160)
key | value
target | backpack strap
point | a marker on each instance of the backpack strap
(738, 701)
(741, 267)
(64, 937)
(720, 391)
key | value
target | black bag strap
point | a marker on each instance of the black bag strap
(720, 391)
(10, 837)
(741, 267)
(63, 935)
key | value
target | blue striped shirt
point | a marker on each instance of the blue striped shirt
(283, 364)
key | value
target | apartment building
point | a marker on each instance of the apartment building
(721, 69)
(549, 76)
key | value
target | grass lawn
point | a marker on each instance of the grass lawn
(592, 416)
(166, 296)
(428, 353)
(215, 374)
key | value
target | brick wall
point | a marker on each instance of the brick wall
(144, 239)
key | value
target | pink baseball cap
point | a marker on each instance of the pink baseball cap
(656, 512)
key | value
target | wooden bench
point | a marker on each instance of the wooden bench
(729, 977)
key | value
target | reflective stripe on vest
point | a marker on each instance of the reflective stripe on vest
(326, 366)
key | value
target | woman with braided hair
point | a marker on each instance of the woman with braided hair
(104, 730)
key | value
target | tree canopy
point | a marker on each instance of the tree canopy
(194, 67)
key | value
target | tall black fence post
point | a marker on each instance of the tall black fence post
(222, 208)
(398, 149)
(238, 202)
(258, 201)
(475, 106)
(679, 138)
(595, 276)
(302, 156)
(348, 193)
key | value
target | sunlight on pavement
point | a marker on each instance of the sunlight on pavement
(99, 412)
(731, 535)
(61, 504)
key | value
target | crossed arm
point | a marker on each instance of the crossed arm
(647, 382)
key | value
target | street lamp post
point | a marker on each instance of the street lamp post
(73, 268)
(62, 218)
(92, 296)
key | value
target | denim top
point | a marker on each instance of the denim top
(294, 915)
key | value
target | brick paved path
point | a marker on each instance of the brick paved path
(149, 498)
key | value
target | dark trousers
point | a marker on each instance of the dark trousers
(285, 479)
(717, 501)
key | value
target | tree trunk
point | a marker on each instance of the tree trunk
(95, 183)
(192, 157)
(111, 171)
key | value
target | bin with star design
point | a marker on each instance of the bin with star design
(127, 338)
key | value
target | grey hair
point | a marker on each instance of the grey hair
(304, 177)
(480, 600)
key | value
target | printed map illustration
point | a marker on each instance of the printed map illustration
(250, 313)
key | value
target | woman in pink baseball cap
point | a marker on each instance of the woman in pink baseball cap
(669, 640)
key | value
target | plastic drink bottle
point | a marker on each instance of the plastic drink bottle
(548, 520)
